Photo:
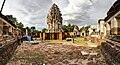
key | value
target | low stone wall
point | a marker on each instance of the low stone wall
(52, 36)
(7, 50)
(111, 52)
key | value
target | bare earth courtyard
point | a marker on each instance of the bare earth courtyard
(56, 54)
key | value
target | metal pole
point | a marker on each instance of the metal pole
(2, 6)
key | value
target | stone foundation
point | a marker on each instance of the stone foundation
(7, 50)
(111, 52)
(52, 36)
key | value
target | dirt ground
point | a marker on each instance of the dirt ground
(56, 54)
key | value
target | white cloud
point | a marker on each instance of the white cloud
(76, 10)
(28, 12)
(80, 12)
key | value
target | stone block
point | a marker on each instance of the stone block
(111, 54)
(7, 51)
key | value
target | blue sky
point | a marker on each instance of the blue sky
(78, 12)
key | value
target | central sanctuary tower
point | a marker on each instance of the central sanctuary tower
(54, 20)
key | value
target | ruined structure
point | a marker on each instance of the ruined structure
(76, 30)
(7, 28)
(54, 20)
(102, 28)
(109, 30)
(111, 24)
(89, 31)
(8, 40)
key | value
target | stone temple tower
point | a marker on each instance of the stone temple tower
(54, 20)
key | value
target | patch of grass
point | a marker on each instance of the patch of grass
(40, 64)
(53, 41)
(77, 39)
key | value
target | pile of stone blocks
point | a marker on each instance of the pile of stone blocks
(7, 50)
(111, 52)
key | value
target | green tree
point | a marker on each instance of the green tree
(68, 28)
(32, 28)
(44, 29)
(29, 30)
(14, 21)
(64, 28)
(20, 25)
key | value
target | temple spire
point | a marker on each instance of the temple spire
(54, 19)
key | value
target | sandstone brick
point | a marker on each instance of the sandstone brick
(7, 51)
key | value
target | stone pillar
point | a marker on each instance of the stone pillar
(1, 28)
(118, 25)
(99, 30)
(114, 26)
(104, 32)
(10, 29)
(52, 36)
(108, 28)
(41, 36)
(44, 36)
(60, 36)
(102, 29)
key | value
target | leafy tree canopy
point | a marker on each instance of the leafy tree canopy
(68, 28)
(14, 21)
(44, 29)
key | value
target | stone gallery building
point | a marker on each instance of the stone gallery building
(7, 27)
(54, 22)
(109, 30)
(111, 24)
